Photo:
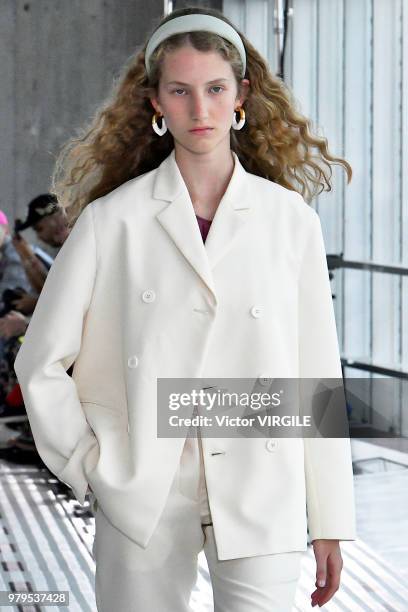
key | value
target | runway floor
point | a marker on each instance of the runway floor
(46, 541)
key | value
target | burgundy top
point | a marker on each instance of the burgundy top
(204, 225)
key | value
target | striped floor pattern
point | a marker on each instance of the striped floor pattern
(46, 542)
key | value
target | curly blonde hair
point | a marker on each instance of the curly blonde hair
(119, 144)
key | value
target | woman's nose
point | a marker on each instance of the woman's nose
(198, 107)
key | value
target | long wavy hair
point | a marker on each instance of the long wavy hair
(118, 143)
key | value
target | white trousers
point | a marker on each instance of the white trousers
(161, 577)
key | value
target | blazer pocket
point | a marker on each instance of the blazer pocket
(104, 420)
(110, 428)
(74, 471)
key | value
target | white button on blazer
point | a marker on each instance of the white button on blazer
(100, 426)
(256, 311)
(148, 295)
(133, 361)
(271, 445)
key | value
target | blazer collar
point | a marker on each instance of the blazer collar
(179, 221)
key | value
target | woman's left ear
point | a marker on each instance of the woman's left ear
(244, 89)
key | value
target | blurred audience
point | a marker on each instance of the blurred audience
(23, 270)
(12, 273)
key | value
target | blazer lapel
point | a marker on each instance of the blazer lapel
(179, 220)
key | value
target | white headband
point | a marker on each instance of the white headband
(190, 23)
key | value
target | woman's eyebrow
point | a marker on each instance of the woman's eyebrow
(187, 84)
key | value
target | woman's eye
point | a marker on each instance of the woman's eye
(213, 87)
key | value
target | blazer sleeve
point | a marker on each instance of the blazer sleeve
(328, 463)
(51, 344)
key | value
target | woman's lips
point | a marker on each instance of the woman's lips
(202, 131)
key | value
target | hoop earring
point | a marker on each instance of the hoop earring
(159, 130)
(241, 122)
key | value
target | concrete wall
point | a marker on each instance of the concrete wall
(57, 61)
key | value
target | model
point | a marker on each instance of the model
(194, 254)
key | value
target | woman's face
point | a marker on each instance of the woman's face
(198, 89)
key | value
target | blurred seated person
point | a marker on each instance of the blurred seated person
(12, 272)
(26, 266)
(48, 220)
(14, 284)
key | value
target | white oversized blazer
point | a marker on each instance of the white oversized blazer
(134, 294)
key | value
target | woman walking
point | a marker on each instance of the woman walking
(194, 255)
